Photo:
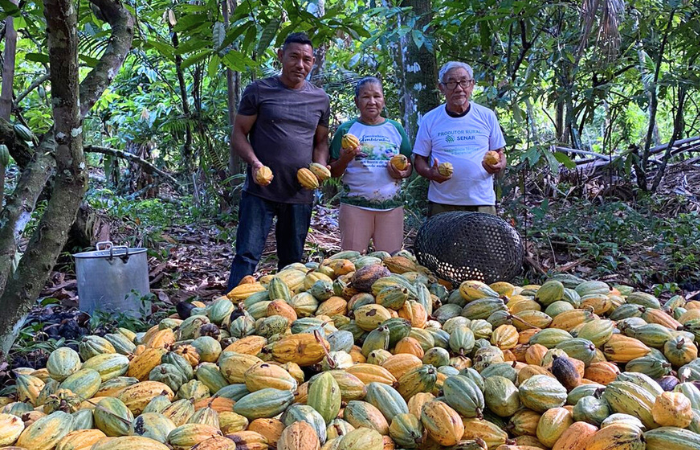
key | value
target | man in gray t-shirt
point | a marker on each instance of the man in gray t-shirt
(282, 123)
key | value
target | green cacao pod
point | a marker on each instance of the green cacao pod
(325, 396)
(23, 132)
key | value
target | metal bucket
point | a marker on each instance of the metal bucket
(113, 279)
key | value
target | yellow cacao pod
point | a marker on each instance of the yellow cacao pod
(137, 396)
(80, 440)
(270, 428)
(249, 440)
(362, 439)
(617, 437)
(307, 179)
(46, 432)
(141, 365)
(445, 169)
(400, 162)
(129, 443)
(263, 176)
(216, 443)
(303, 349)
(672, 409)
(321, 171)
(349, 141)
(444, 425)
(11, 427)
(299, 436)
(553, 423)
(492, 158)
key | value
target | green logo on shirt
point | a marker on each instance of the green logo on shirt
(449, 138)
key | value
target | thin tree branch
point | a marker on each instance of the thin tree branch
(101, 76)
(654, 101)
(133, 158)
(35, 84)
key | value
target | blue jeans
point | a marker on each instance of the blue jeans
(254, 221)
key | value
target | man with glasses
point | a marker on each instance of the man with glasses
(459, 132)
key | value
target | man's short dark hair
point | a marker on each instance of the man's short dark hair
(297, 38)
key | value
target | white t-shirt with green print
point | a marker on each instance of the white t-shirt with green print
(463, 142)
(366, 180)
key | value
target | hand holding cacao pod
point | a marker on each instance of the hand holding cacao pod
(445, 169)
(492, 158)
(493, 162)
(400, 162)
(263, 176)
(349, 141)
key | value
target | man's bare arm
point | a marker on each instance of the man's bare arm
(241, 127)
(321, 150)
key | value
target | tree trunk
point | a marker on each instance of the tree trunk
(8, 76)
(187, 148)
(420, 72)
(233, 83)
(71, 175)
(653, 107)
(318, 9)
(59, 150)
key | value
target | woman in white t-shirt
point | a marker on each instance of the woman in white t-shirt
(370, 205)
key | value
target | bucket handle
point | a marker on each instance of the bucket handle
(104, 245)
(108, 245)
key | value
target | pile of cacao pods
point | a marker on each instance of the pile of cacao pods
(372, 352)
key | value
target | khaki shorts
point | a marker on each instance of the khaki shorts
(437, 208)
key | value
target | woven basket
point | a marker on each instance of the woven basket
(460, 246)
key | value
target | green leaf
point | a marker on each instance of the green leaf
(552, 161)
(218, 35)
(418, 38)
(49, 301)
(164, 49)
(37, 57)
(9, 8)
(485, 34)
(194, 59)
(236, 30)
(89, 61)
(237, 61)
(193, 44)
(517, 113)
(563, 158)
(369, 42)
(250, 36)
(214, 65)
(267, 36)
(189, 21)
(531, 156)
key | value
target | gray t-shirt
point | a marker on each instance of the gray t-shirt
(282, 136)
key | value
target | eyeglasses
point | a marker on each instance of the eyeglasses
(463, 83)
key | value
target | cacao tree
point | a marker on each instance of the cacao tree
(59, 154)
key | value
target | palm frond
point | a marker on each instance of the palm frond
(589, 12)
(92, 45)
(609, 31)
(336, 79)
(212, 156)
(178, 125)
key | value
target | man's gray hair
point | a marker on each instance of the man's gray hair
(454, 65)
